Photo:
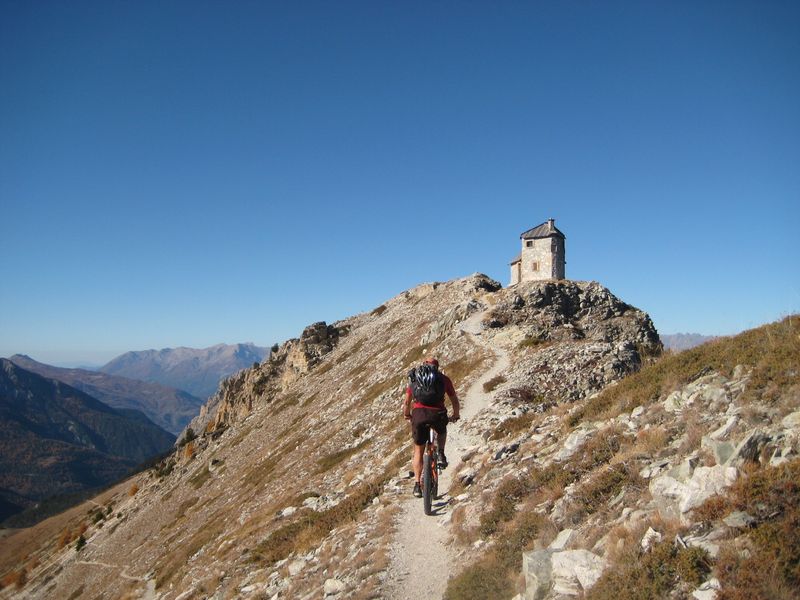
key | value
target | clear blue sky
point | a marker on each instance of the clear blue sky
(189, 173)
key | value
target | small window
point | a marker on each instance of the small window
(534, 266)
(529, 244)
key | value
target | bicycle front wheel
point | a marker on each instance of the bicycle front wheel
(427, 482)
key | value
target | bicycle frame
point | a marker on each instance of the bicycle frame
(430, 471)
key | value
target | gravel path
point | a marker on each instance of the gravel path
(420, 559)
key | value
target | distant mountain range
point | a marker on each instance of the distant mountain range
(198, 371)
(684, 341)
(56, 439)
(169, 408)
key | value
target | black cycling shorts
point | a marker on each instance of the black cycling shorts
(422, 419)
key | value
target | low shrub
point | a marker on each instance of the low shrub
(513, 425)
(481, 581)
(655, 574)
(378, 311)
(772, 565)
(592, 495)
(492, 384)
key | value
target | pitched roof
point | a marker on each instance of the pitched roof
(517, 259)
(546, 229)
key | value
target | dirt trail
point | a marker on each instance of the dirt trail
(420, 560)
(150, 584)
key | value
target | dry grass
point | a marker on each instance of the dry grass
(460, 369)
(493, 576)
(515, 531)
(513, 426)
(694, 431)
(651, 441)
(772, 566)
(772, 351)
(189, 450)
(492, 384)
(653, 574)
(200, 477)
(311, 527)
(593, 494)
(132, 491)
(327, 462)
(177, 559)
(16, 578)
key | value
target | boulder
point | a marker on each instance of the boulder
(739, 520)
(791, 421)
(706, 482)
(650, 537)
(333, 587)
(749, 448)
(708, 590)
(563, 539)
(722, 432)
(574, 440)
(670, 493)
(537, 568)
(722, 451)
(576, 570)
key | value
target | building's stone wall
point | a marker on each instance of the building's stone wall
(547, 254)
(515, 269)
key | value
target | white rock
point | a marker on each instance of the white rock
(574, 440)
(791, 421)
(637, 412)
(650, 537)
(579, 566)
(722, 432)
(247, 589)
(706, 482)
(562, 540)
(296, 566)
(537, 568)
(674, 402)
(288, 511)
(333, 586)
(708, 590)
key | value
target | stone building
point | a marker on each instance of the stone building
(542, 255)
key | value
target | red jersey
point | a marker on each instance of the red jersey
(448, 389)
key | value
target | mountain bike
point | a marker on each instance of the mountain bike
(430, 471)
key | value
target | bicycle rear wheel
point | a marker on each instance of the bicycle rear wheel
(427, 483)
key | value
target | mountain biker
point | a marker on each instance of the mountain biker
(431, 414)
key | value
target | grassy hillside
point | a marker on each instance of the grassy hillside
(762, 564)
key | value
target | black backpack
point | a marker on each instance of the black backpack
(427, 385)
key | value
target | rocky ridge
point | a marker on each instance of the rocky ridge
(293, 488)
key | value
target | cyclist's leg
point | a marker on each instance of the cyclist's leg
(441, 430)
(420, 429)
(417, 463)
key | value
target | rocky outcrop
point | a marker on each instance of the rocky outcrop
(239, 393)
